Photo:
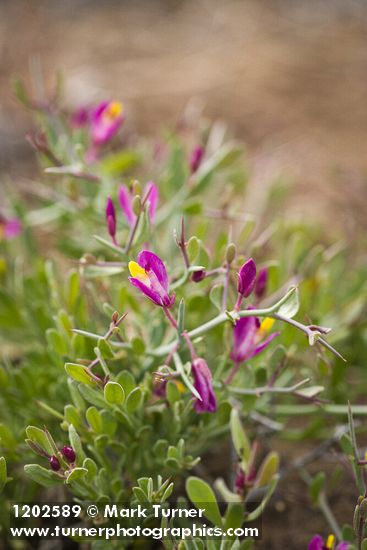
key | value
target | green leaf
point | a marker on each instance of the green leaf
(215, 296)
(76, 444)
(138, 346)
(39, 436)
(56, 342)
(134, 400)
(268, 469)
(310, 391)
(114, 393)
(3, 473)
(346, 445)
(75, 474)
(72, 289)
(79, 373)
(127, 381)
(92, 396)
(290, 308)
(317, 486)
(118, 163)
(94, 419)
(172, 392)
(7, 439)
(193, 248)
(72, 416)
(92, 468)
(234, 515)
(105, 349)
(202, 496)
(239, 438)
(46, 478)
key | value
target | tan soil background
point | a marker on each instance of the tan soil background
(290, 78)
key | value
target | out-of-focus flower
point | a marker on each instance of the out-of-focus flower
(9, 228)
(111, 218)
(248, 337)
(318, 543)
(81, 117)
(261, 282)
(204, 386)
(69, 453)
(246, 278)
(196, 157)
(54, 463)
(105, 120)
(126, 198)
(149, 275)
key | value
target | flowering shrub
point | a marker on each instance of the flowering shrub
(150, 322)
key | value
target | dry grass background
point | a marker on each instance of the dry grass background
(289, 76)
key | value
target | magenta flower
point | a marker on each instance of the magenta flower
(196, 157)
(69, 453)
(105, 120)
(248, 339)
(54, 463)
(111, 218)
(318, 543)
(203, 384)
(81, 117)
(9, 229)
(246, 278)
(261, 282)
(126, 202)
(149, 275)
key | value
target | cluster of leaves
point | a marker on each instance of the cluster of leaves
(98, 364)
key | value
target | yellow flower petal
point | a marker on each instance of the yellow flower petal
(113, 110)
(267, 324)
(330, 542)
(138, 272)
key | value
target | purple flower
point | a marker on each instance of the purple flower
(111, 218)
(126, 202)
(203, 384)
(196, 157)
(248, 334)
(80, 117)
(105, 120)
(246, 278)
(69, 453)
(54, 463)
(318, 543)
(9, 229)
(150, 276)
(261, 282)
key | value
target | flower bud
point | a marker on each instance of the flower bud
(261, 282)
(231, 252)
(198, 276)
(54, 463)
(111, 217)
(247, 278)
(115, 316)
(136, 205)
(196, 157)
(69, 453)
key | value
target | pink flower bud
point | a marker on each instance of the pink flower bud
(54, 463)
(246, 278)
(69, 453)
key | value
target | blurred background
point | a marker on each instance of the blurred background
(288, 76)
